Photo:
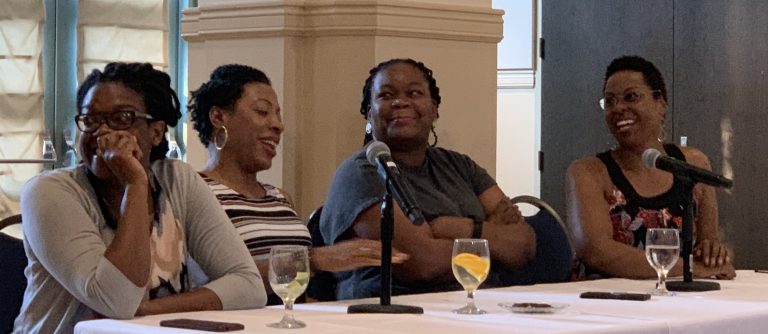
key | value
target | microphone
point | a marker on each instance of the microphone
(378, 154)
(652, 158)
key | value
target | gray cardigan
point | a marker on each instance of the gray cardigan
(65, 237)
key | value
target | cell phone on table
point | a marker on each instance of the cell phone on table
(202, 325)
(616, 295)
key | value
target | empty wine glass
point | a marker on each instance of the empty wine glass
(49, 152)
(70, 156)
(471, 264)
(662, 249)
(174, 150)
(288, 277)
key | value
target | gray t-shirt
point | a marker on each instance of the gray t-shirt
(447, 184)
(65, 237)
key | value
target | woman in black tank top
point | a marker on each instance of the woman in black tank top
(613, 199)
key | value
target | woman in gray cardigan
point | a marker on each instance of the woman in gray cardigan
(112, 236)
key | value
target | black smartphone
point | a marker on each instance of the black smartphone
(616, 295)
(202, 325)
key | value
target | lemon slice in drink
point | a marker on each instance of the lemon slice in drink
(473, 264)
(297, 286)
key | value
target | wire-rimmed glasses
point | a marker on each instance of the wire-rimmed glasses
(631, 97)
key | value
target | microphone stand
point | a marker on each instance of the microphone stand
(688, 284)
(387, 233)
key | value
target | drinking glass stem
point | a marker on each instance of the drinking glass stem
(288, 316)
(471, 298)
(662, 284)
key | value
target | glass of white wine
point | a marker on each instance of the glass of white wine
(288, 277)
(470, 263)
(662, 249)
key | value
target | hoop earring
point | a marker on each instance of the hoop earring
(218, 146)
(435, 135)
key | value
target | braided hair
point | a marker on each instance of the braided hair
(160, 100)
(222, 90)
(434, 91)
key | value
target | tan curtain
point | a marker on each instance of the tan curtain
(21, 96)
(108, 30)
(119, 30)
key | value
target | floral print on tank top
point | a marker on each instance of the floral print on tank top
(631, 230)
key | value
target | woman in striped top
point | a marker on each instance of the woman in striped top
(261, 221)
(237, 117)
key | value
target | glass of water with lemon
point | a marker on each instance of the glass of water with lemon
(470, 263)
(288, 277)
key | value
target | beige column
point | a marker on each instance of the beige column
(318, 53)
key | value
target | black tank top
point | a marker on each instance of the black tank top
(632, 214)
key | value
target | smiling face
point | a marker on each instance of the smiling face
(254, 128)
(108, 97)
(636, 117)
(402, 110)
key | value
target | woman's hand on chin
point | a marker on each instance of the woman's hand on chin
(122, 155)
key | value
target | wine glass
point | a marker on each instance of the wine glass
(70, 156)
(49, 152)
(662, 249)
(471, 264)
(174, 150)
(289, 277)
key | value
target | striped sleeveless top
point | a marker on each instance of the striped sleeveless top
(262, 222)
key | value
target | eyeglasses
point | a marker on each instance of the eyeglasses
(629, 98)
(117, 120)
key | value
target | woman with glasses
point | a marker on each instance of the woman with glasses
(112, 237)
(613, 198)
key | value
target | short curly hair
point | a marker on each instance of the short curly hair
(160, 100)
(651, 73)
(434, 91)
(223, 89)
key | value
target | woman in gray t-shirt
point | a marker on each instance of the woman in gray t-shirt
(459, 199)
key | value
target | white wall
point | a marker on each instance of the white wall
(518, 116)
(517, 133)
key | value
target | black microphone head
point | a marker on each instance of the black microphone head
(375, 149)
(649, 157)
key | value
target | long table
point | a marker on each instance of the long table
(741, 306)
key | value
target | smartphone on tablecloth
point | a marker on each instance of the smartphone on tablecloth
(203, 325)
(616, 295)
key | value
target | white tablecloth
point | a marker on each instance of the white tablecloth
(740, 307)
